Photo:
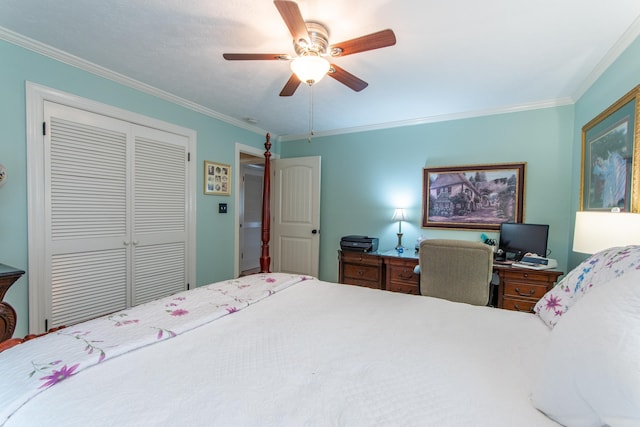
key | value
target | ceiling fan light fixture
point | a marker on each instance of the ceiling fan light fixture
(310, 68)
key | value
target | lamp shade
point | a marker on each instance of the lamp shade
(596, 231)
(310, 69)
(399, 215)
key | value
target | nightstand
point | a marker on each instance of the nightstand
(8, 275)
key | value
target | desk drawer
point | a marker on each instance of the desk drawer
(524, 275)
(518, 305)
(403, 274)
(524, 290)
(405, 288)
(362, 272)
(360, 258)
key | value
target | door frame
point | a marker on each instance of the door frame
(36, 95)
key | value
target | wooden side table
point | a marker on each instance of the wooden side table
(8, 275)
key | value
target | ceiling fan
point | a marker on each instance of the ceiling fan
(311, 43)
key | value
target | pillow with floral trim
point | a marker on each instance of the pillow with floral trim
(599, 268)
(590, 373)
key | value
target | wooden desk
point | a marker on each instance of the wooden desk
(387, 270)
(8, 275)
(519, 289)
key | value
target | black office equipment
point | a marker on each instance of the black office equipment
(517, 239)
(359, 243)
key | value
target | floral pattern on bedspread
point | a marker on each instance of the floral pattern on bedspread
(41, 363)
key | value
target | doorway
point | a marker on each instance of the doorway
(249, 176)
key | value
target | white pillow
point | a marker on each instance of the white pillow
(600, 268)
(591, 371)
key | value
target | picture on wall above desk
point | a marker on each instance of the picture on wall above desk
(473, 197)
(217, 178)
(610, 155)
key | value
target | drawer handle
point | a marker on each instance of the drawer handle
(360, 272)
(517, 308)
(522, 294)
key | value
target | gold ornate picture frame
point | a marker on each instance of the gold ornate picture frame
(610, 175)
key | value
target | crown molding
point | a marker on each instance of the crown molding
(628, 37)
(435, 119)
(90, 67)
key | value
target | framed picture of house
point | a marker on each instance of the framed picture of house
(217, 178)
(473, 197)
(610, 158)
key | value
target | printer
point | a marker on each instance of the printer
(359, 243)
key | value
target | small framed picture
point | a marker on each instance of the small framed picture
(217, 178)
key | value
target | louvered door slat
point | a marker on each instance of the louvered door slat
(160, 186)
(159, 271)
(88, 180)
(87, 285)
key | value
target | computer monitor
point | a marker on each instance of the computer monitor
(517, 239)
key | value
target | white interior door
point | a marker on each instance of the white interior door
(296, 216)
(86, 264)
(159, 220)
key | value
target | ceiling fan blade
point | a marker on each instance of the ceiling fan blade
(346, 78)
(293, 18)
(291, 86)
(255, 56)
(372, 41)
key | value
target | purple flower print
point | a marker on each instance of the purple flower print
(232, 309)
(552, 303)
(162, 331)
(57, 376)
(179, 312)
(270, 280)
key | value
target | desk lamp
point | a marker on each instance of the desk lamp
(597, 230)
(399, 215)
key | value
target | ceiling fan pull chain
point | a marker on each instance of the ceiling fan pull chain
(310, 113)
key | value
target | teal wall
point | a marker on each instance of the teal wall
(216, 141)
(366, 175)
(619, 78)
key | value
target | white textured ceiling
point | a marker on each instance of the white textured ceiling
(453, 58)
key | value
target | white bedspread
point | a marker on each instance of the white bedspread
(316, 354)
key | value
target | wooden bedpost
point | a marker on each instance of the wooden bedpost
(265, 260)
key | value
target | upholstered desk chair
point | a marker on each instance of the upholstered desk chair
(456, 270)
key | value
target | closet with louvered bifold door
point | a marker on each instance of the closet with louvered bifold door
(116, 214)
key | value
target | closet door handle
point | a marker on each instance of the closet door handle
(126, 243)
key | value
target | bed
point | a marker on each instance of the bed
(274, 349)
